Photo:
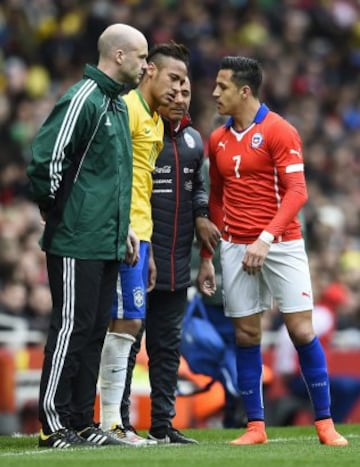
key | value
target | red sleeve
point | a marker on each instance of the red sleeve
(286, 151)
(216, 212)
(294, 199)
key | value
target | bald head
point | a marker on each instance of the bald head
(122, 53)
(119, 36)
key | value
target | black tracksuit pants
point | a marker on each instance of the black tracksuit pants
(82, 293)
(163, 324)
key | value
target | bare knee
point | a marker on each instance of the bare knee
(127, 326)
(302, 336)
(300, 327)
(247, 334)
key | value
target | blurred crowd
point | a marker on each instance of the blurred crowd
(310, 51)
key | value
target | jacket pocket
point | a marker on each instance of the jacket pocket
(85, 212)
(92, 212)
(73, 209)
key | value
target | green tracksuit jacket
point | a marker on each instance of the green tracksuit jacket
(81, 171)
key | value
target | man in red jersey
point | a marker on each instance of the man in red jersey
(257, 188)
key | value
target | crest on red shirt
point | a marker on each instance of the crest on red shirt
(256, 140)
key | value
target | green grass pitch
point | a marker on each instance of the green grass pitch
(287, 446)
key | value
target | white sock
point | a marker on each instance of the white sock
(113, 367)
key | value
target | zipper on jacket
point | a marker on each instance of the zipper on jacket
(175, 229)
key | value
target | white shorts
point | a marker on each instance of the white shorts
(285, 277)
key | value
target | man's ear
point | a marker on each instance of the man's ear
(119, 56)
(151, 69)
(245, 91)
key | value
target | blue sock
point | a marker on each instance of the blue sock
(315, 374)
(249, 369)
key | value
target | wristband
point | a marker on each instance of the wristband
(266, 237)
(202, 213)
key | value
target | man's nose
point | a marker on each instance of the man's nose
(179, 98)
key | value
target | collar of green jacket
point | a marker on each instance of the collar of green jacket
(107, 84)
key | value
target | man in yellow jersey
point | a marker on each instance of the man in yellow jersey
(166, 71)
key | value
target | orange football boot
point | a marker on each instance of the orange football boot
(255, 434)
(327, 433)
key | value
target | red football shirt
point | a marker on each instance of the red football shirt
(257, 179)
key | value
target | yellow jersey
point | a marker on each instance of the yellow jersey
(147, 133)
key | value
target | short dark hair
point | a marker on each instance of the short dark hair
(245, 71)
(168, 49)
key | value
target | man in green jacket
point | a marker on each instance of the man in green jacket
(81, 175)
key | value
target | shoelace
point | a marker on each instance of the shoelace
(119, 431)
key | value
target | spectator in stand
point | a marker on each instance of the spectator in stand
(38, 309)
(13, 320)
(13, 299)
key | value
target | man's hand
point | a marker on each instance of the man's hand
(132, 248)
(206, 280)
(254, 257)
(207, 233)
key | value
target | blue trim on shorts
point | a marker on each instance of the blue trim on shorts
(133, 281)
